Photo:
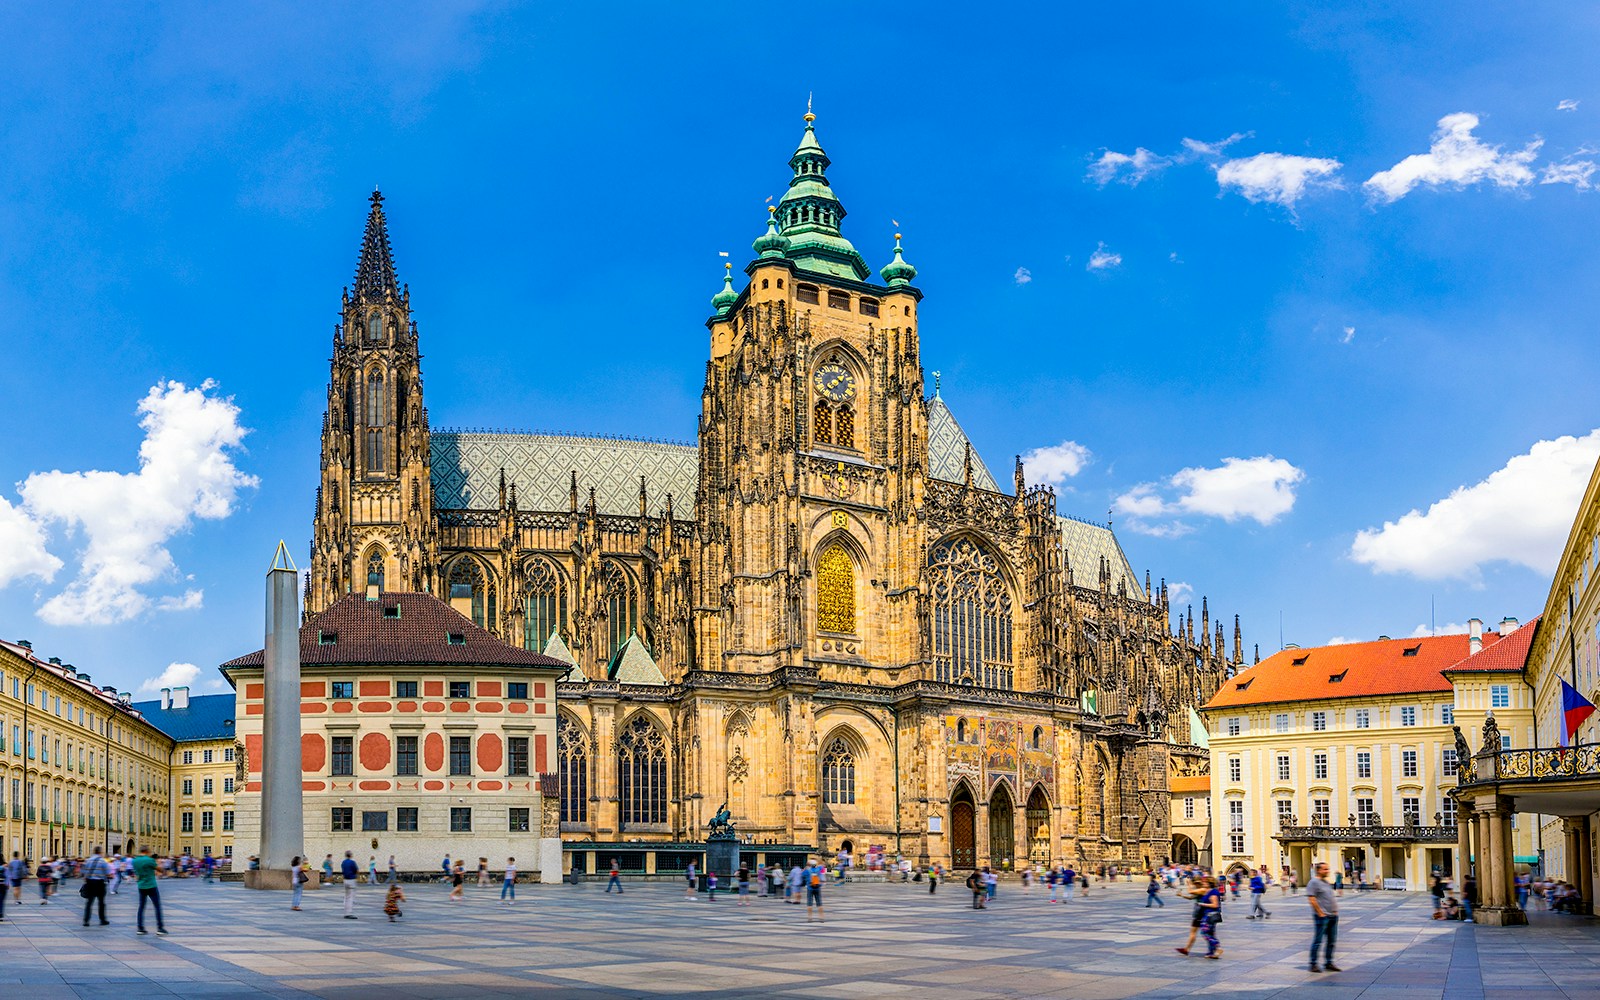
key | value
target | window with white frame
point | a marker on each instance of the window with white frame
(1449, 811)
(1319, 812)
(1411, 810)
(1448, 766)
(1499, 696)
(1447, 715)
(1283, 767)
(1235, 769)
(1363, 763)
(1408, 763)
(1280, 722)
(1505, 741)
(1319, 721)
(1319, 766)
(1285, 811)
(1188, 807)
(1236, 843)
(1236, 826)
(1363, 812)
(1363, 718)
(1235, 726)
(1408, 715)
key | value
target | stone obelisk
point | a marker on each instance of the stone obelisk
(282, 805)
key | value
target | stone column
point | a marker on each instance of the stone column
(282, 805)
(1493, 881)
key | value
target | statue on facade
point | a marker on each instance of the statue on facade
(722, 824)
(1463, 756)
(1491, 735)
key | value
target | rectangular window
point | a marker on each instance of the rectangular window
(1499, 696)
(1448, 765)
(1319, 766)
(1319, 812)
(869, 307)
(343, 819)
(374, 821)
(460, 755)
(343, 755)
(517, 690)
(838, 300)
(1448, 817)
(1447, 715)
(807, 293)
(207, 818)
(206, 756)
(1363, 763)
(188, 786)
(1236, 815)
(207, 786)
(1188, 807)
(1408, 763)
(460, 689)
(1363, 812)
(1285, 812)
(1236, 843)
(186, 822)
(1280, 722)
(1408, 715)
(1411, 811)
(1234, 727)
(1363, 718)
(518, 819)
(1283, 767)
(227, 786)
(1319, 721)
(460, 819)
(188, 756)
(343, 689)
(227, 821)
(517, 755)
(405, 755)
(405, 689)
(1505, 741)
(227, 755)
(405, 819)
(1235, 769)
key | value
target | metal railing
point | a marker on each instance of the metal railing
(1368, 833)
(1546, 764)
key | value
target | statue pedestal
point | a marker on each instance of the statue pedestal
(722, 857)
(1499, 916)
(279, 878)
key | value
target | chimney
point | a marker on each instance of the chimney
(1508, 625)
(55, 661)
(180, 697)
(1383, 638)
(1474, 636)
(166, 699)
(69, 670)
(25, 644)
(109, 690)
(85, 678)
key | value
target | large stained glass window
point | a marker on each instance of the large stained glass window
(466, 581)
(642, 773)
(971, 615)
(622, 605)
(572, 757)
(839, 773)
(546, 610)
(836, 591)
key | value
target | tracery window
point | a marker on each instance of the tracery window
(466, 582)
(839, 773)
(971, 615)
(844, 426)
(375, 570)
(622, 605)
(822, 423)
(572, 759)
(642, 773)
(546, 609)
(375, 410)
(836, 590)
(374, 328)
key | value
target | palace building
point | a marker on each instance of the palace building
(826, 612)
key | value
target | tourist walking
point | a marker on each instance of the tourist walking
(742, 877)
(16, 871)
(934, 874)
(1258, 890)
(689, 875)
(1197, 888)
(616, 876)
(991, 883)
(392, 900)
(297, 881)
(372, 869)
(394, 871)
(1152, 893)
(975, 883)
(1325, 918)
(508, 888)
(815, 876)
(1338, 882)
(144, 874)
(96, 873)
(1210, 908)
(46, 876)
(711, 885)
(456, 875)
(1469, 898)
(351, 872)
(1068, 878)
(327, 869)
(483, 872)
(445, 869)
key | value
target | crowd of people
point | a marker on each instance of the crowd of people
(99, 876)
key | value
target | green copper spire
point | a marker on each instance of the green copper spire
(810, 214)
(898, 271)
(771, 243)
(723, 301)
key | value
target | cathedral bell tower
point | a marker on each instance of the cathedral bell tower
(373, 529)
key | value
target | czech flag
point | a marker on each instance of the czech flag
(1574, 709)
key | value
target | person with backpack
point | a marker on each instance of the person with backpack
(46, 874)
(815, 876)
(979, 891)
(96, 873)
(1152, 893)
(1258, 891)
(297, 881)
(1068, 879)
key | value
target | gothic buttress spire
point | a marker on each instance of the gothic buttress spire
(375, 272)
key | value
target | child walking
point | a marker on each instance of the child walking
(392, 901)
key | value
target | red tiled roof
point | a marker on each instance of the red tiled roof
(1511, 653)
(1363, 669)
(364, 635)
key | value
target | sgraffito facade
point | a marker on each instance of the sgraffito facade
(826, 613)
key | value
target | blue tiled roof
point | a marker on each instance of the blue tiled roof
(208, 717)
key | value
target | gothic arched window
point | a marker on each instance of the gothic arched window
(822, 423)
(839, 773)
(971, 615)
(466, 586)
(572, 757)
(622, 605)
(844, 427)
(642, 773)
(836, 590)
(374, 328)
(546, 610)
(374, 422)
(375, 570)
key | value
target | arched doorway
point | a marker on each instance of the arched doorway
(963, 829)
(1002, 827)
(1184, 851)
(1038, 827)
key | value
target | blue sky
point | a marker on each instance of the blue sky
(1260, 349)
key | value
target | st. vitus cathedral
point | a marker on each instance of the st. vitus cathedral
(827, 613)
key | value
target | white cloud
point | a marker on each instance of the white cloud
(1574, 172)
(1456, 159)
(22, 547)
(1103, 259)
(1195, 149)
(1128, 168)
(1261, 489)
(1055, 464)
(1424, 630)
(1023, 276)
(1277, 177)
(1349, 335)
(1173, 256)
(1179, 594)
(1519, 514)
(176, 675)
(186, 471)
(1567, 105)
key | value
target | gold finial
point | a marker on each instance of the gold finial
(897, 237)
(728, 266)
(771, 209)
(809, 116)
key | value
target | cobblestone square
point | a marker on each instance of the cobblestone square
(879, 940)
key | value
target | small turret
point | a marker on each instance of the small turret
(771, 243)
(723, 301)
(898, 271)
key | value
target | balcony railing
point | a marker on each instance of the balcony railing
(1546, 764)
(1407, 833)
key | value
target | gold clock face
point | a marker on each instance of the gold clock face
(835, 382)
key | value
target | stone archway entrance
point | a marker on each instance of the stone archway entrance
(1038, 827)
(963, 830)
(1184, 852)
(1002, 827)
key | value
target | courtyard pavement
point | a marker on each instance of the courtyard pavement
(879, 941)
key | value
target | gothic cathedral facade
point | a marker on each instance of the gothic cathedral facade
(826, 614)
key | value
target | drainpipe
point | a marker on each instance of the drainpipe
(26, 754)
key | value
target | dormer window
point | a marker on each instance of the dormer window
(1244, 685)
(327, 638)
(1412, 650)
(392, 611)
(456, 638)
(1300, 661)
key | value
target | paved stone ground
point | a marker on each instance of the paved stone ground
(879, 941)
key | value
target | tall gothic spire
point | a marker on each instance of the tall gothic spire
(375, 272)
(809, 214)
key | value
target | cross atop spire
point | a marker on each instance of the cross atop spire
(375, 272)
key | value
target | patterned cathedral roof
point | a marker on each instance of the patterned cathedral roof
(466, 471)
(947, 449)
(1085, 543)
